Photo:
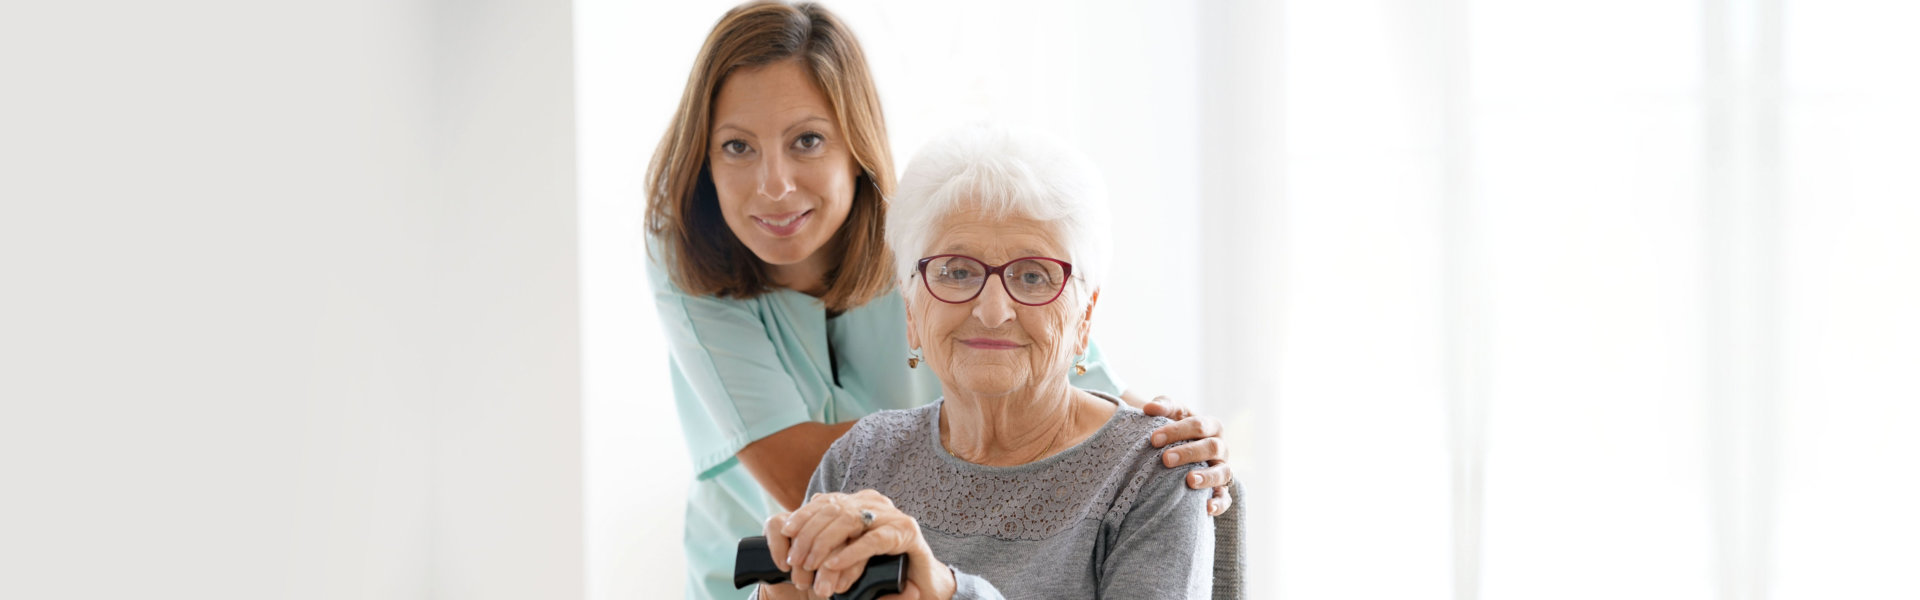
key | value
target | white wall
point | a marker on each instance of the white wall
(636, 464)
(289, 308)
(508, 512)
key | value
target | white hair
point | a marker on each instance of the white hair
(1006, 173)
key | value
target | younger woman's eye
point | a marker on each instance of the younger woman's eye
(734, 147)
(810, 141)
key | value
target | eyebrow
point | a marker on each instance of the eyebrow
(790, 128)
(961, 249)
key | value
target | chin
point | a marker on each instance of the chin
(989, 381)
(784, 252)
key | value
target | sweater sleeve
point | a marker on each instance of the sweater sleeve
(973, 587)
(1163, 546)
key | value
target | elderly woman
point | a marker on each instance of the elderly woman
(1015, 482)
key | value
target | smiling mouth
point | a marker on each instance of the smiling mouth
(989, 344)
(783, 225)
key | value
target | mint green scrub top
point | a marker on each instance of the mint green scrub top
(746, 368)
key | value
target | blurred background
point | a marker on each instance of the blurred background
(1499, 299)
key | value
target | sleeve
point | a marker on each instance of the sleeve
(973, 587)
(1100, 376)
(1163, 546)
(729, 384)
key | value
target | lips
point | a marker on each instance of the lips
(783, 224)
(989, 344)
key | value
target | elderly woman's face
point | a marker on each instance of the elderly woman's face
(783, 172)
(992, 345)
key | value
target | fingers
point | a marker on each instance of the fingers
(776, 541)
(799, 530)
(907, 592)
(1208, 450)
(818, 528)
(1190, 428)
(1218, 475)
(1221, 501)
(893, 532)
(833, 581)
(801, 578)
(777, 545)
(830, 538)
(827, 524)
(886, 537)
(782, 591)
(1162, 406)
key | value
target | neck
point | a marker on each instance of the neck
(1019, 428)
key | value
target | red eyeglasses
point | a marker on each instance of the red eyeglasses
(958, 279)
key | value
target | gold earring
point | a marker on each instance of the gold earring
(1079, 365)
(913, 360)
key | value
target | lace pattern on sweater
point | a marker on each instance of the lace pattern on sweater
(893, 452)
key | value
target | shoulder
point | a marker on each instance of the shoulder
(1131, 424)
(658, 271)
(680, 309)
(1141, 473)
(1128, 438)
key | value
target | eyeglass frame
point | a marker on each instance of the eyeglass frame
(1066, 275)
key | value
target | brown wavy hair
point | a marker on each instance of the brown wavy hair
(702, 254)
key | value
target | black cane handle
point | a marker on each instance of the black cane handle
(753, 563)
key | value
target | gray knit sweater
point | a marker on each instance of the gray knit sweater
(1102, 519)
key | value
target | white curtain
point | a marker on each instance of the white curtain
(1598, 300)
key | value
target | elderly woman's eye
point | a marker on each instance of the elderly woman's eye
(810, 141)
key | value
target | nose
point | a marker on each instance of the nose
(993, 307)
(776, 177)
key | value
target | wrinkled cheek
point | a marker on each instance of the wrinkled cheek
(1048, 359)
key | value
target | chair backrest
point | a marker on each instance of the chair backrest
(1230, 548)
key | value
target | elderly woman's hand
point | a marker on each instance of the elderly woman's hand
(824, 546)
(1207, 447)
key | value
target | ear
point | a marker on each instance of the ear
(1086, 324)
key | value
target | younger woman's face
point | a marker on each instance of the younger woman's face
(785, 174)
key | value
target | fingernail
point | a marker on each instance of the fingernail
(1159, 438)
(1195, 478)
(1173, 457)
